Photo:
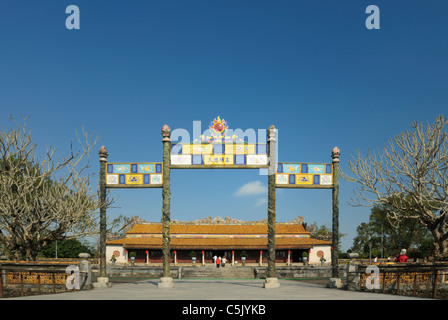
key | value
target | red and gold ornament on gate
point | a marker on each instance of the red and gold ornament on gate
(219, 126)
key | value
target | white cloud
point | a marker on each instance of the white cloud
(261, 202)
(252, 188)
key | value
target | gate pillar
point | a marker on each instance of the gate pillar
(102, 187)
(271, 280)
(166, 280)
(335, 153)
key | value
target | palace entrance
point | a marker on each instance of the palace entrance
(220, 151)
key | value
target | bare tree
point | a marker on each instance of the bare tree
(43, 199)
(410, 176)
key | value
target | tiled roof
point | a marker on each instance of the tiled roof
(218, 229)
(218, 243)
(218, 236)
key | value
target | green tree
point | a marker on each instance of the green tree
(387, 238)
(70, 248)
(322, 232)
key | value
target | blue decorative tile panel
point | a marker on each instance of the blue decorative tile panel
(197, 159)
(122, 168)
(303, 174)
(316, 168)
(291, 167)
(304, 168)
(146, 167)
(292, 179)
(135, 174)
(176, 148)
(240, 159)
(279, 167)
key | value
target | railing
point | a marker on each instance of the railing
(19, 279)
(371, 261)
(12, 278)
(93, 261)
(428, 280)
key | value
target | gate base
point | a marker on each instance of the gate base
(102, 282)
(166, 282)
(271, 283)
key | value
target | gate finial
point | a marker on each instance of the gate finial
(166, 133)
(103, 153)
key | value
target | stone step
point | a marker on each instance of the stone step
(213, 272)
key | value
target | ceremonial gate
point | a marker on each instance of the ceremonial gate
(219, 150)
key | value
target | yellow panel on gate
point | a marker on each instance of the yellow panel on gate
(218, 159)
(186, 149)
(134, 179)
(304, 179)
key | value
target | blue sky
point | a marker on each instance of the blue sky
(311, 68)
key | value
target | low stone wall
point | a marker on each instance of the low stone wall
(23, 277)
(282, 272)
(420, 279)
(139, 271)
(300, 272)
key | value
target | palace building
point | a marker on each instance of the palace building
(226, 237)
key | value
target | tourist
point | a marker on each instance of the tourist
(214, 259)
(402, 258)
(113, 259)
(322, 260)
(223, 261)
(218, 261)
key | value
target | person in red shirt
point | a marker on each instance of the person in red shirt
(403, 257)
